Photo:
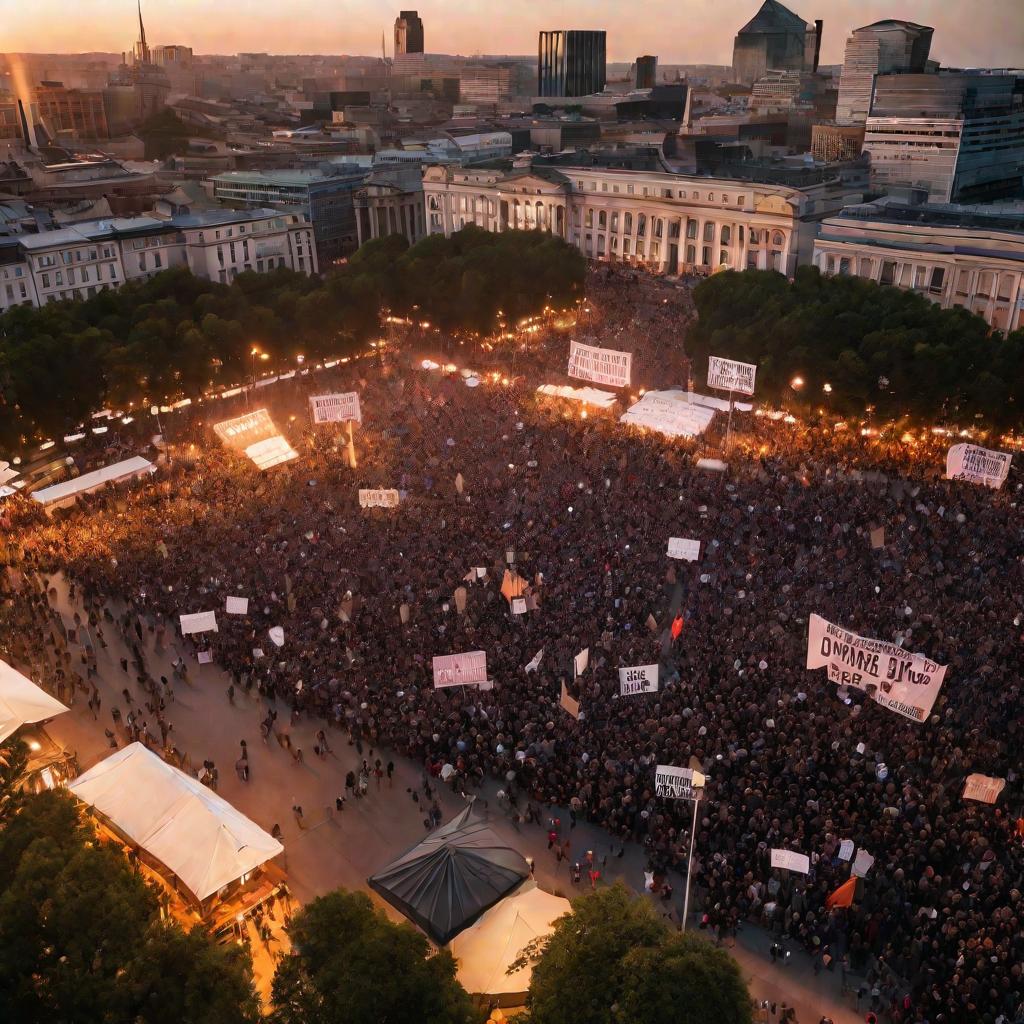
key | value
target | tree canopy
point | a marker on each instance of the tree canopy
(614, 961)
(351, 965)
(872, 344)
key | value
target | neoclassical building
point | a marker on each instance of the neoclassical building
(669, 223)
(955, 256)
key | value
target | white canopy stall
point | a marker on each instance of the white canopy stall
(22, 702)
(190, 830)
(677, 413)
(67, 491)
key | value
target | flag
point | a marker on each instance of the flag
(677, 627)
(843, 896)
(534, 664)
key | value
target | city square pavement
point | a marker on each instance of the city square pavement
(328, 848)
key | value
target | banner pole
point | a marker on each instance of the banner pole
(689, 864)
(351, 447)
(728, 429)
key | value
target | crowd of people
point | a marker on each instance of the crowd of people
(582, 510)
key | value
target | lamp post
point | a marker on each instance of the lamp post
(699, 780)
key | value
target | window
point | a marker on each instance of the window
(112, 271)
(92, 254)
(777, 238)
(615, 222)
(66, 257)
(157, 260)
(691, 229)
(844, 265)
(602, 219)
(755, 238)
(604, 186)
(142, 261)
(709, 232)
(691, 254)
(666, 193)
(741, 200)
(865, 268)
(725, 198)
(938, 278)
(705, 256)
(627, 223)
(71, 275)
(59, 278)
(711, 197)
(590, 217)
(641, 225)
(625, 246)
(46, 280)
(629, 189)
(726, 238)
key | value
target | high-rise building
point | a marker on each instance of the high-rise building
(571, 63)
(775, 39)
(646, 72)
(408, 32)
(172, 56)
(81, 111)
(886, 46)
(957, 136)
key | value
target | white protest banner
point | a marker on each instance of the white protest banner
(677, 783)
(899, 680)
(638, 679)
(684, 548)
(599, 365)
(977, 465)
(569, 703)
(378, 498)
(862, 864)
(581, 661)
(518, 605)
(204, 657)
(336, 408)
(846, 849)
(257, 652)
(237, 606)
(985, 788)
(276, 633)
(729, 375)
(791, 861)
(460, 669)
(534, 663)
(200, 622)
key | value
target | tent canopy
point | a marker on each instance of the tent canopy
(70, 489)
(447, 881)
(487, 949)
(188, 828)
(21, 701)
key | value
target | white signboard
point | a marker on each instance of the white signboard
(460, 669)
(862, 864)
(791, 861)
(846, 849)
(569, 703)
(581, 661)
(336, 408)
(684, 548)
(205, 657)
(638, 679)
(977, 465)
(899, 680)
(237, 606)
(729, 375)
(677, 783)
(599, 365)
(200, 622)
(985, 788)
(276, 633)
(518, 605)
(378, 498)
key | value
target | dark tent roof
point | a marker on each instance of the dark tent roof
(773, 17)
(446, 882)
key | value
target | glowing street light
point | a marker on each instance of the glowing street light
(796, 383)
(827, 388)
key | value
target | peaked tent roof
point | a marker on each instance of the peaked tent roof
(205, 841)
(486, 950)
(773, 17)
(447, 881)
(22, 701)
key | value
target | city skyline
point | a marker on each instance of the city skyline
(993, 35)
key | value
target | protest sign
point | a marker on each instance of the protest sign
(791, 861)
(977, 465)
(581, 661)
(200, 622)
(569, 703)
(459, 483)
(878, 537)
(599, 365)
(257, 653)
(899, 680)
(638, 679)
(204, 657)
(336, 408)
(729, 375)
(985, 788)
(460, 600)
(403, 613)
(237, 606)
(276, 633)
(677, 783)
(519, 606)
(378, 498)
(862, 864)
(684, 548)
(846, 849)
(466, 669)
(534, 663)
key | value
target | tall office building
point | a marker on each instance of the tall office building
(408, 32)
(172, 56)
(570, 63)
(646, 72)
(958, 136)
(886, 46)
(775, 39)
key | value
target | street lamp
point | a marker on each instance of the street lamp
(796, 383)
(827, 388)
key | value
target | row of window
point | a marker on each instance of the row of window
(61, 277)
(69, 256)
(662, 192)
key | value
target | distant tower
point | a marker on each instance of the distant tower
(408, 33)
(646, 72)
(141, 52)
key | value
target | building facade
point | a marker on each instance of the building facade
(79, 262)
(408, 33)
(172, 56)
(881, 48)
(668, 223)
(775, 39)
(833, 142)
(953, 256)
(391, 203)
(571, 63)
(80, 111)
(960, 136)
(646, 72)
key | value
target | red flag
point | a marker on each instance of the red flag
(677, 627)
(843, 896)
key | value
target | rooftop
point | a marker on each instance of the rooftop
(288, 176)
(773, 17)
(936, 215)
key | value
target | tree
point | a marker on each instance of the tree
(351, 965)
(614, 961)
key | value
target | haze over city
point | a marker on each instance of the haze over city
(985, 32)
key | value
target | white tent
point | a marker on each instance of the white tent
(589, 396)
(677, 413)
(68, 490)
(487, 948)
(22, 701)
(188, 828)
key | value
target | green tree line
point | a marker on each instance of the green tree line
(175, 336)
(873, 345)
